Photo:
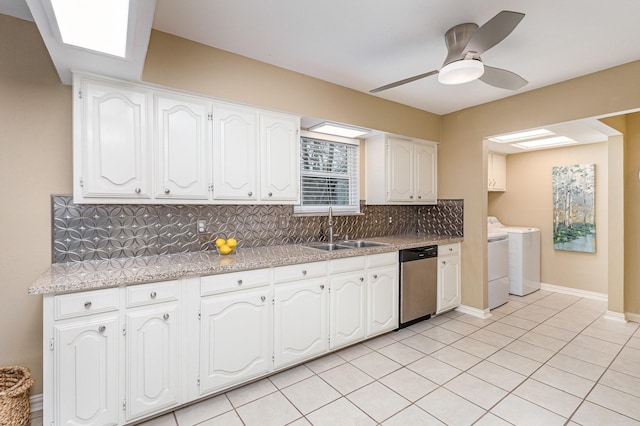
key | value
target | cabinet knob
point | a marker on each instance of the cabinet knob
(87, 304)
(263, 298)
(321, 286)
(361, 278)
(102, 328)
(270, 194)
(304, 272)
(411, 196)
(138, 190)
(153, 294)
(450, 249)
(165, 317)
(239, 282)
(444, 262)
(250, 194)
(375, 276)
(420, 196)
(166, 191)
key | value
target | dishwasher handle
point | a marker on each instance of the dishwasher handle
(418, 253)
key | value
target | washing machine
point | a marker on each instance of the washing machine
(524, 256)
(498, 268)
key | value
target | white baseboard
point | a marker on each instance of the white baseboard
(632, 317)
(36, 402)
(615, 316)
(575, 292)
(474, 312)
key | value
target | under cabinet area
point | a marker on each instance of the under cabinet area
(119, 355)
(140, 144)
(400, 171)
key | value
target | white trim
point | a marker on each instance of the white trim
(632, 317)
(474, 312)
(36, 402)
(615, 316)
(575, 292)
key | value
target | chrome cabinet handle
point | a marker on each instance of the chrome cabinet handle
(375, 276)
(250, 194)
(270, 194)
(411, 196)
(87, 304)
(450, 249)
(102, 328)
(361, 278)
(153, 294)
(239, 282)
(321, 286)
(166, 191)
(138, 190)
(263, 298)
(165, 317)
(304, 272)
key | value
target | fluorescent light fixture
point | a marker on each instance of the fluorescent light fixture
(521, 135)
(339, 130)
(547, 142)
(462, 71)
(99, 25)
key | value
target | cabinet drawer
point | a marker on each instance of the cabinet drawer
(347, 264)
(300, 271)
(85, 303)
(214, 284)
(147, 294)
(382, 259)
(449, 249)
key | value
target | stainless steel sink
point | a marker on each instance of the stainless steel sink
(344, 245)
(327, 246)
(360, 244)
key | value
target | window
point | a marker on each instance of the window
(328, 174)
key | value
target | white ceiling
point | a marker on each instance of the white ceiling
(364, 44)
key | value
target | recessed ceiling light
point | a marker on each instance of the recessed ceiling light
(539, 143)
(99, 25)
(521, 135)
(339, 130)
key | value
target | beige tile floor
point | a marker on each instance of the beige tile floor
(543, 359)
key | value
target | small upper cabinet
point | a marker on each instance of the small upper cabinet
(497, 172)
(280, 158)
(182, 141)
(111, 141)
(400, 171)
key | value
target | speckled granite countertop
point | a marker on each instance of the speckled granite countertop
(77, 276)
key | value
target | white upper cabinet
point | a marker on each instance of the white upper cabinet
(235, 153)
(146, 145)
(400, 171)
(280, 158)
(497, 172)
(111, 141)
(182, 136)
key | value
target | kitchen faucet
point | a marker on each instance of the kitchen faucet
(330, 224)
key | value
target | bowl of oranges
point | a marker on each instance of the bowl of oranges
(227, 246)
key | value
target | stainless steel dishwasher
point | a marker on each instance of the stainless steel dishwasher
(418, 284)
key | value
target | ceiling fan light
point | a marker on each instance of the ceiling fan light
(462, 71)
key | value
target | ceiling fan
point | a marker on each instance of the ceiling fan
(465, 44)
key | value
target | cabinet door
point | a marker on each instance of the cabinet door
(382, 300)
(449, 295)
(347, 296)
(182, 138)
(115, 140)
(498, 172)
(400, 167)
(300, 321)
(235, 154)
(235, 338)
(426, 174)
(152, 360)
(86, 372)
(280, 159)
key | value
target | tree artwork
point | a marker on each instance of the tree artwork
(574, 227)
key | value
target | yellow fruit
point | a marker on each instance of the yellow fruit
(225, 249)
(220, 242)
(231, 242)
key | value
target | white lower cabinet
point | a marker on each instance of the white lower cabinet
(382, 288)
(152, 359)
(347, 309)
(449, 292)
(235, 338)
(85, 355)
(300, 321)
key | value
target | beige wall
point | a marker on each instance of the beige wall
(528, 202)
(36, 161)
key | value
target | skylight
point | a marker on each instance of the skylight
(521, 135)
(547, 142)
(99, 25)
(339, 130)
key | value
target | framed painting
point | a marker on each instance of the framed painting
(574, 226)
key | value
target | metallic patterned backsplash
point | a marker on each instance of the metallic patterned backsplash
(108, 231)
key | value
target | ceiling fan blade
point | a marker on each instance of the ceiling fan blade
(494, 31)
(401, 82)
(502, 78)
